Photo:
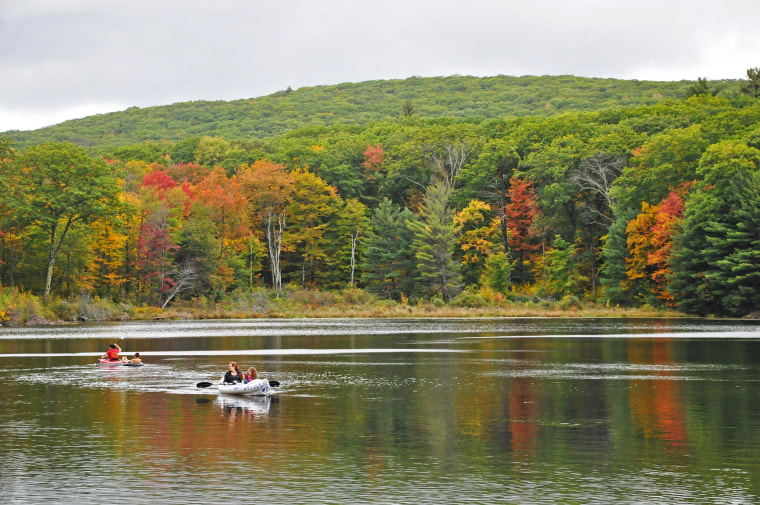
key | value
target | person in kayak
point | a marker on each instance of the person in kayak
(251, 374)
(135, 359)
(233, 374)
(113, 352)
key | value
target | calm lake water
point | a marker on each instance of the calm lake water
(385, 411)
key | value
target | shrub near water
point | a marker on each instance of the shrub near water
(354, 296)
(22, 308)
(65, 310)
(7, 304)
(569, 302)
(18, 308)
(470, 300)
(308, 297)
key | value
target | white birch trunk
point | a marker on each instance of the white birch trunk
(354, 239)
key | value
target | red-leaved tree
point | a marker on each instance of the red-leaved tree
(666, 218)
(521, 211)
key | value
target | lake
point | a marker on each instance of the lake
(390, 411)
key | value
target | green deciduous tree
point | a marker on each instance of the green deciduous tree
(498, 272)
(558, 270)
(312, 206)
(10, 229)
(665, 162)
(487, 179)
(57, 186)
(351, 227)
(549, 169)
(211, 151)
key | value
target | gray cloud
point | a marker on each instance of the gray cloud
(68, 58)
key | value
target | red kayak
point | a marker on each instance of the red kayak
(106, 361)
(116, 362)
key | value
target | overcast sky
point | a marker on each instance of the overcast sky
(65, 59)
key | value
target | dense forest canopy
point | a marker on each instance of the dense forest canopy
(456, 190)
(359, 104)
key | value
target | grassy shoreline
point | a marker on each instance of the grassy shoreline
(21, 309)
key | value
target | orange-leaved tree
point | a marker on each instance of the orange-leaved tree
(109, 251)
(667, 216)
(213, 238)
(521, 212)
(269, 189)
(638, 269)
(222, 197)
(373, 167)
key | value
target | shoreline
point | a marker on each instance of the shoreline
(24, 309)
(353, 312)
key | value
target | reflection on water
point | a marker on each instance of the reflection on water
(386, 411)
(246, 405)
(479, 328)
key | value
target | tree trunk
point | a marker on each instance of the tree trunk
(354, 239)
(250, 265)
(186, 276)
(53, 254)
(274, 241)
(49, 277)
(543, 264)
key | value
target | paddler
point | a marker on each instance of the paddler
(113, 352)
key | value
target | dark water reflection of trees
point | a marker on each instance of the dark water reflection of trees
(418, 411)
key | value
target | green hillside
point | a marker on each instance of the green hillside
(358, 103)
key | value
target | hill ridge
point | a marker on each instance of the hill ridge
(356, 103)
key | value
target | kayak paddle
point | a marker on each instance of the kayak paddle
(274, 384)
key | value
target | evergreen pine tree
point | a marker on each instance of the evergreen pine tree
(388, 269)
(435, 238)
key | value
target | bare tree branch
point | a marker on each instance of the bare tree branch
(596, 175)
(186, 276)
(449, 161)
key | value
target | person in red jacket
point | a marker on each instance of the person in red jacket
(113, 352)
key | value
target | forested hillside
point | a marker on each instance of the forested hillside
(655, 205)
(359, 104)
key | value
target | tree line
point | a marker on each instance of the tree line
(655, 205)
(364, 103)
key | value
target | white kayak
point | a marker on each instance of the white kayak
(255, 387)
(246, 404)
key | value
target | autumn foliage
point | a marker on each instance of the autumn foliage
(651, 205)
(521, 211)
(650, 243)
